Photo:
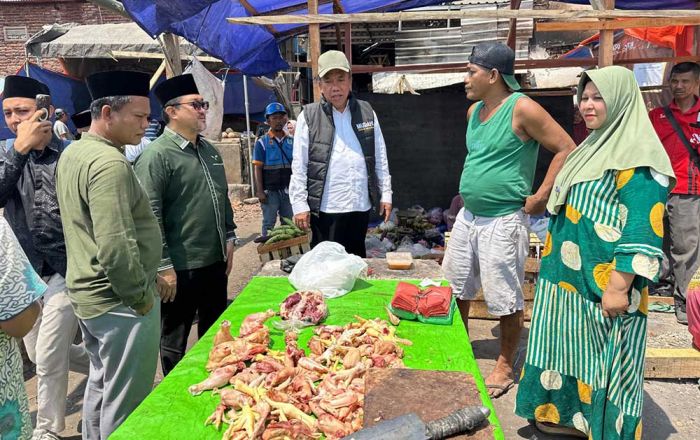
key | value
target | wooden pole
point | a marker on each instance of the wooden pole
(338, 9)
(348, 42)
(512, 31)
(605, 49)
(314, 49)
(171, 50)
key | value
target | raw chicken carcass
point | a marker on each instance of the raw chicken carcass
(304, 306)
(218, 378)
(255, 321)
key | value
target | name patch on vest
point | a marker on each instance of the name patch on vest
(364, 126)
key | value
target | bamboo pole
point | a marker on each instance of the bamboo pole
(387, 17)
(314, 49)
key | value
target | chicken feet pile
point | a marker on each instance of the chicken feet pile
(285, 395)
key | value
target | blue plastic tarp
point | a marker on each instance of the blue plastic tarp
(644, 4)
(251, 49)
(72, 95)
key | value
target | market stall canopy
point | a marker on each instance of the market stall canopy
(97, 41)
(251, 49)
(643, 4)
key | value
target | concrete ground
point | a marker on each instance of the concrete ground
(670, 408)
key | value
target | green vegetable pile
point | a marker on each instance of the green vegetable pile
(286, 231)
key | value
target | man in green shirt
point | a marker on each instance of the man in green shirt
(184, 178)
(490, 237)
(113, 245)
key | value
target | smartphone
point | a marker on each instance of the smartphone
(43, 102)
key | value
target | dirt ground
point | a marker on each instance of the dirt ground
(670, 407)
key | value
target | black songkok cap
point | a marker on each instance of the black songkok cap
(23, 87)
(118, 83)
(82, 119)
(175, 87)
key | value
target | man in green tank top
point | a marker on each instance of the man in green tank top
(490, 238)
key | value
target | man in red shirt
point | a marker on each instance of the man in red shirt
(682, 219)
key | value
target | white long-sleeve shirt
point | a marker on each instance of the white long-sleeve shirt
(346, 188)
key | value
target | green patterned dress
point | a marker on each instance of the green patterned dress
(584, 370)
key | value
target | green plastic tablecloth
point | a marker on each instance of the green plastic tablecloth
(171, 413)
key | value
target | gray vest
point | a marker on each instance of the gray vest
(319, 118)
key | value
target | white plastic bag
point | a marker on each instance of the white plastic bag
(327, 268)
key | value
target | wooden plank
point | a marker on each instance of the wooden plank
(252, 11)
(528, 293)
(157, 56)
(577, 26)
(662, 299)
(532, 265)
(605, 48)
(478, 310)
(315, 49)
(672, 363)
(522, 14)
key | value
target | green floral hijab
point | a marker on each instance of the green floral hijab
(625, 140)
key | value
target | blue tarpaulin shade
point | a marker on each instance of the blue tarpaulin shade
(72, 95)
(251, 49)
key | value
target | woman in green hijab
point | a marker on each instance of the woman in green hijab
(584, 370)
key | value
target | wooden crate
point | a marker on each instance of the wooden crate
(284, 249)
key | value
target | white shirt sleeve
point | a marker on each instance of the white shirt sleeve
(381, 165)
(298, 192)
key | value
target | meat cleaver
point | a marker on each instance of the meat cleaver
(411, 427)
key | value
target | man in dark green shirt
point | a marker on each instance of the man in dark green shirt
(184, 178)
(113, 245)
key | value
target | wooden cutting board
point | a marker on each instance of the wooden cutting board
(392, 392)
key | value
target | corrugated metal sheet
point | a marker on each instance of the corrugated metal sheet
(454, 44)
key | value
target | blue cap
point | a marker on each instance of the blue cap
(274, 107)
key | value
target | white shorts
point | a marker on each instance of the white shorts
(488, 253)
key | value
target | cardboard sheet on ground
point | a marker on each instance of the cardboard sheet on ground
(171, 413)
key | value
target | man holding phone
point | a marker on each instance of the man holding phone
(28, 195)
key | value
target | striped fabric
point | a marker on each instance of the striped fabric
(587, 345)
(598, 200)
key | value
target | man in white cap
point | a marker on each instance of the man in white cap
(340, 169)
(60, 128)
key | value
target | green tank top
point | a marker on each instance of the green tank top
(500, 168)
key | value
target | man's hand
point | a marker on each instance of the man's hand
(261, 196)
(385, 209)
(143, 311)
(303, 220)
(33, 134)
(535, 205)
(230, 247)
(166, 283)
